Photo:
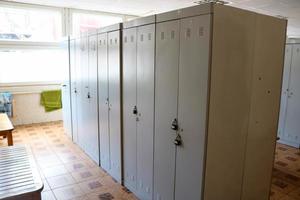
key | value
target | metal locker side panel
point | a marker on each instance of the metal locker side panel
(103, 101)
(145, 107)
(192, 106)
(129, 102)
(292, 125)
(284, 91)
(166, 93)
(114, 103)
(93, 100)
(73, 66)
(66, 91)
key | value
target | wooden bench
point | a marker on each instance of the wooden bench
(19, 178)
(6, 128)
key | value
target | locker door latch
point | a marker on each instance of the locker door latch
(88, 96)
(178, 140)
(135, 112)
(174, 125)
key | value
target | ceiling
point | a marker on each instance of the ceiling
(285, 8)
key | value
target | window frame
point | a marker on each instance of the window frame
(67, 28)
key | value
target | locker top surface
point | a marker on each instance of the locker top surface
(185, 12)
(110, 28)
(140, 21)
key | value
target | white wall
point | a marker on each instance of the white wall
(27, 108)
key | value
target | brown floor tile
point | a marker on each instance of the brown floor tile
(61, 181)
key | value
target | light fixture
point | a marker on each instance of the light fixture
(213, 1)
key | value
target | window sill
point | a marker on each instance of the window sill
(29, 87)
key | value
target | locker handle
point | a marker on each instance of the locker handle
(88, 96)
(75, 91)
(174, 125)
(135, 112)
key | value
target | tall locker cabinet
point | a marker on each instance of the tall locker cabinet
(109, 82)
(138, 105)
(66, 89)
(217, 95)
(74, 47)
(91, 125)
(289, 127)
(87, 95)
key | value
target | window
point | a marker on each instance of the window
(82, 22)
(30, 24)
(32, 65)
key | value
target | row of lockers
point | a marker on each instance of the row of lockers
(163, 103)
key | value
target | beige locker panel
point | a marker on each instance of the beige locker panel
(264, 108)
(242, 125)
(230, 97)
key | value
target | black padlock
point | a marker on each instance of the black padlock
(135, 112)
(178, 140)
(174, 125)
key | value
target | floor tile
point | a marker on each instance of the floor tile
(68, 192)
(61, 181)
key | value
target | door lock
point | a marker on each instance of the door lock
(135, 112)
(174, 125)
(178, 140)
(88, 96)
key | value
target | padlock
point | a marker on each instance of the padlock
(178, 140)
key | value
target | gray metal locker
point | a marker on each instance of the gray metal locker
(74, 47)
(166, 95)
(192, 105)
(182, 62)
(83, 92)
(139, 174)
(114, 82)
(290, 107)
(103, 101)
(92, 97)
(129, 105)
(284, 92)
(66, 90)
(109, 82)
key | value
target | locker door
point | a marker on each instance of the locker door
(192, 106)
(145, 107)
(83, 101)
(73, 66)
(93, 100)
(166, 93)
(66, 91)
(103, 101)
(114, 103)
(129, 103)
(284, 90)
(292, 125)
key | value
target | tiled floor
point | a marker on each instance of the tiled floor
(67, 172)
(286, 174)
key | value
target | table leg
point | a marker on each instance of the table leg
(10, 138)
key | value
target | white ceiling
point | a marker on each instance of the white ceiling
(286, 8)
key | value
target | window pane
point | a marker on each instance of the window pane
(83, 22)
(32, 65)
(30, 24)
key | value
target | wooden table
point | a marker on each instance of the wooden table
(19, 177)
(6, 128)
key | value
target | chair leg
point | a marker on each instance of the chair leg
(10, 139)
